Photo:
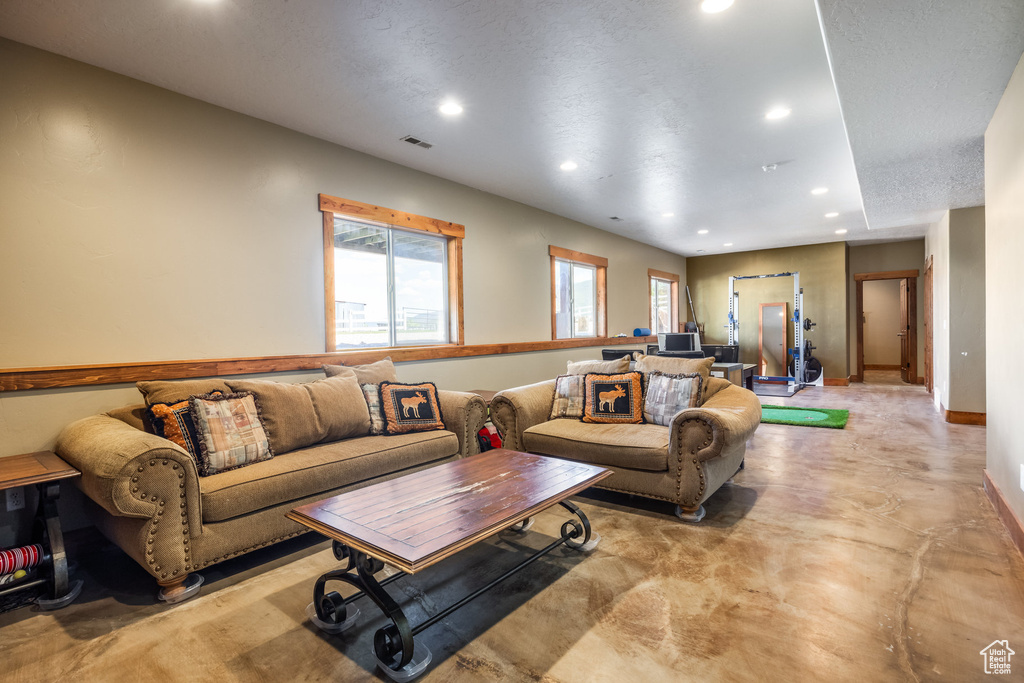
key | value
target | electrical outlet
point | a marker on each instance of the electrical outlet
(15, 499)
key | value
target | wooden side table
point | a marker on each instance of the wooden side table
(45, 470)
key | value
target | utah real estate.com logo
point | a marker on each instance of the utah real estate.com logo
(997, 657)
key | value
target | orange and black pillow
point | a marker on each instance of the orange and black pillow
(174, 422)
(613, 399)
(410, 407)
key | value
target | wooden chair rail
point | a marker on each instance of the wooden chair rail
(18, 379)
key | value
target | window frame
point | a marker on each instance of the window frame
(600, 264)
(673, 281)
(454, 233)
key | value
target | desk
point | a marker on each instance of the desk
(45, 470)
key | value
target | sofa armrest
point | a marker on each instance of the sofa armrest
(513, 411)
(464, 414)
(131, 473)
(727, 419)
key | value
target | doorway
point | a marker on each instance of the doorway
(907, 329)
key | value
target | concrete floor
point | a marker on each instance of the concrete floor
(864, 554)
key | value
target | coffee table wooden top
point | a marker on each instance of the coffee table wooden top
(418, 519)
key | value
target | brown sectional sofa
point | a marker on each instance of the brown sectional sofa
(173, 522)
(683, 463)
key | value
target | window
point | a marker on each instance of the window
(390, 279)
(664, 301)
(578, 294)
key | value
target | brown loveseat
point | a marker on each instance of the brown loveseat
(173, 522)
(683, 463)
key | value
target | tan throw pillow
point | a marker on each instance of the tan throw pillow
(371, 373)
(300, 415)
(230, 432)
(568, 397)
(410, 407)
(677, 366)
(608, 367)
(613, 399)
(668, 394)
(163, 391)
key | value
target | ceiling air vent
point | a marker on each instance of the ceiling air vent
(416, 141)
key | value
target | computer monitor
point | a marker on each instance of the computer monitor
(679, 341)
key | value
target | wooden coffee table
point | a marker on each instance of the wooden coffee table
(416, 520)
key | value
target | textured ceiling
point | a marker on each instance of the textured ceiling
(661, 105)
(919, 81)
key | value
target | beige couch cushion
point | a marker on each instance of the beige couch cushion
(162, 391)
(371, 373)
(677, 366)
(300, 415)
(607, 367)
(633, 446)
(318, 469)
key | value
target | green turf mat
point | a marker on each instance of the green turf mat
(804, 417)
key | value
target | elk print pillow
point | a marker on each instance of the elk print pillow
(613, 399)
(410, 407)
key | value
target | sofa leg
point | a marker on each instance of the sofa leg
(691, 515)
(179, 589)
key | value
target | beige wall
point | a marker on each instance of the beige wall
(956, 244)
(882, 322)
(822, 270)
(1004, 283)
(138, 224)
(880, 258)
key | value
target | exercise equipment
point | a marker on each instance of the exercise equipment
(797, 377)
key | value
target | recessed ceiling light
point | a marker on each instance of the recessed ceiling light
(700, 251)
(702, 232)
(569, 165)
(715, 6)
(831, 214)
(819, 190)
(841, 231)
(727, 244)
(450, 108)
(777, 113)
(667, 214)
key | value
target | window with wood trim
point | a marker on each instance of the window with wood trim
(579, 294)
(391, 279)
(664, 308)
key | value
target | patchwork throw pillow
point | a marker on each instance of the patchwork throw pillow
(173, 421)
(229, 431)
(371, 392)
(410, 407)
(568, 397)
(668, 394)
(613, 399)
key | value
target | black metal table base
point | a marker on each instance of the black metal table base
(393, 643)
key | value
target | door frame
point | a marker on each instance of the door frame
(928, 303)
(911, 277)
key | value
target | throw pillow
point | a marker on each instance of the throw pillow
(371, 373)
(568, 397)
(582, 367)
(173, 421)
(668, 394)
(371, 392)
(613, 399)
(230, 432)
(162, 391)
(677, 366)
(410, 407)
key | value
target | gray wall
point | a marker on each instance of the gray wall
(1004, 283)
(956, 244)
(141, 225)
